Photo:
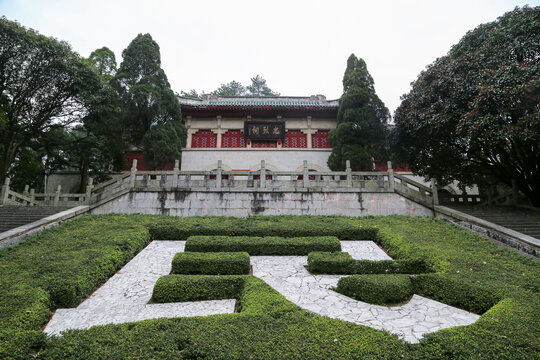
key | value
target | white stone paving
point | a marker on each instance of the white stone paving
(124, 297)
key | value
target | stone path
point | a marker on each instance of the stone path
(124, 297)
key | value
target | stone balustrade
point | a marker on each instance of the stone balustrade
(219, 180)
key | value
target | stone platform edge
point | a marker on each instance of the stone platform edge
(512, 238)
(18, 234)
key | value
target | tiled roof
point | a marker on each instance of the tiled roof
(318, 101)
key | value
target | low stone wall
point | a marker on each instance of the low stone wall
(244, 203)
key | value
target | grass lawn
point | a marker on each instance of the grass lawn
(63, 265)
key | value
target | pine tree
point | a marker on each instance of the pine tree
(149, 105)
(360, 133)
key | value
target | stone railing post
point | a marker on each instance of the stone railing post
(25, 193)
(391, 183)
(89, 187)
(306, 175)
(5, 191)
(218, 175)
(132, 174)
(435, 190)
(33, 196)
(175, 173)
(262, 182)
(57, 195)
(349, 173)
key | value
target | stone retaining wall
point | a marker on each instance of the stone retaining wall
(241, 204)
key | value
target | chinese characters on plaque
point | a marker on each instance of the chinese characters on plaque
(264, 130)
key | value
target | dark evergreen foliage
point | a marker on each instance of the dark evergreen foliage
(360, 133)
(150, 109)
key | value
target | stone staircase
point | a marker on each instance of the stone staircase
(12, 216)
(518, 219)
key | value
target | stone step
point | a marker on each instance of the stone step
(12, 216)
(518, 219)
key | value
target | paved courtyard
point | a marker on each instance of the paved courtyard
(124, 298)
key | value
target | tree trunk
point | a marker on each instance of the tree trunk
(7, 159)
(84, 177)
(533, 195)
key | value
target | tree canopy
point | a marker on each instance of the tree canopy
(474, 114)
(104, 61)
(43, 85)
(360, 132)
(233, 88)
(149, 105)
(258, 87)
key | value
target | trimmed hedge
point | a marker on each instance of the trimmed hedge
(259, 298)
(211, 263)
(263, 245)
(343, 263)
(377, 289)
(255, 297)
(177, 288)
(176, 228)
(453, 291)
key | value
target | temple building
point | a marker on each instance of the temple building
(242, 131)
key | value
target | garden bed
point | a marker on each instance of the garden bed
(63, 265)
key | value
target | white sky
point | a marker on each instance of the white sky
(299, 47)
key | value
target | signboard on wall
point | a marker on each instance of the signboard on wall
(264, 130)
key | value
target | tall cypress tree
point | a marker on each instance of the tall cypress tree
(360, 133)
(151, 111)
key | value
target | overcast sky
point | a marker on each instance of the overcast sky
(299, 47)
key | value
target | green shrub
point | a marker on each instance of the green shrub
(24, 307)
(175, 228)
(343, 263)
(376, 288)
(18, 344)
(177, 288)
(259, 298)
(263, 245)
(216, 263)
(320, 262)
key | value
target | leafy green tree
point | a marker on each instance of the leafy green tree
(473, 114)
(148, 103)
(258, 87)
(360, 132)
(27, 169)
(233, 88)
(43, 84)
(191, 94)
